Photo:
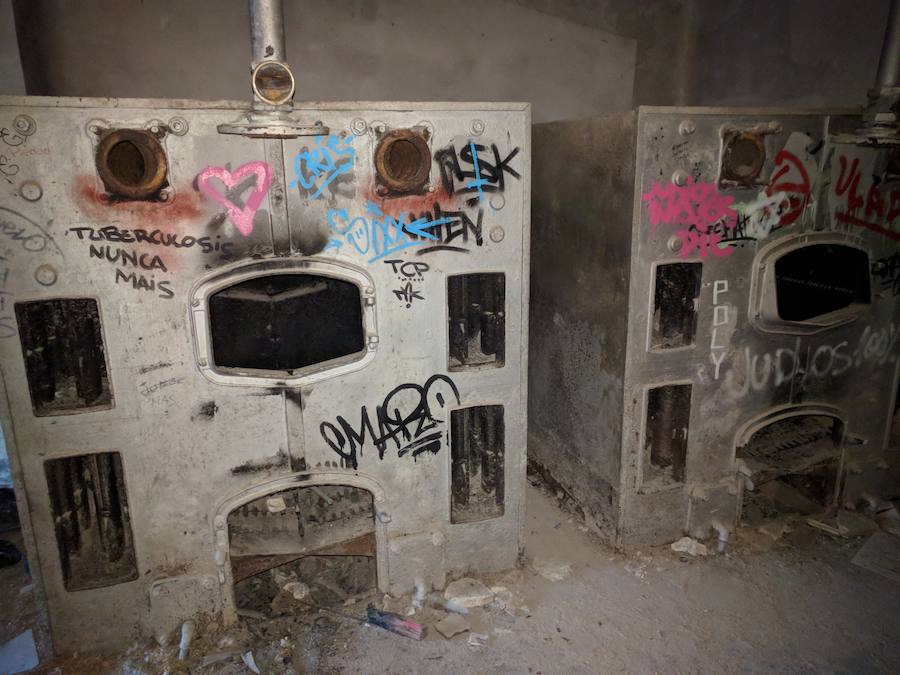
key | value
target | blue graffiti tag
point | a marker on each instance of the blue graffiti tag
(379, 235)
(318, 166)
(477, 183)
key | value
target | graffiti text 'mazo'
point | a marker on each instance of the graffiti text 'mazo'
(410, 417)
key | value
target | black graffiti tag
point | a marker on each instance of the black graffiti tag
(409, 418)
(474, 173)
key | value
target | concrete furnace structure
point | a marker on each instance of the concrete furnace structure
(715, 310)
(231, 339)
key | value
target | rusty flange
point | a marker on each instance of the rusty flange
(403, 160)
(131, 163)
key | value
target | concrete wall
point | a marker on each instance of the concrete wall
(810, 53)
(341, 50)
(11, 80)
(569, 58)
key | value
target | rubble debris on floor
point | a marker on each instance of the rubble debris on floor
(681, 610)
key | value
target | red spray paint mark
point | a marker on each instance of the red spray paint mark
(783, 181)
(410, 204)
(185, 206)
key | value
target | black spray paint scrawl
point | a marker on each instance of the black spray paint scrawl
(410, 416)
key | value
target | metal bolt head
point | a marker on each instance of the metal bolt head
(687, 127)
(358, 126)
(31, 190)
(680, 177)
(45, 275)
(477, 127)
(497, 233)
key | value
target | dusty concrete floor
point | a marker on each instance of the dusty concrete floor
(799, 606)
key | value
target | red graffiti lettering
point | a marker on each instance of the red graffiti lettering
(894, 210)
(849, 181)
(874, 203)
(798, 190)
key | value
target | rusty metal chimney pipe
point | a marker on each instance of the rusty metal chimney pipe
(266, 31)
(889, 64)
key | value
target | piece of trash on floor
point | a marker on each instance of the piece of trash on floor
(394, 623)
(19, 654)
(554, 570)
(452, 624)
(880, 554)
(844, 524)
(275, 504)
(419, 596)
(250, 662)
(297, 589)
(477, 639)
(689, 546)
(468, 592)
(187, 635)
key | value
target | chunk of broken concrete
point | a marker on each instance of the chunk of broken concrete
(468, 592)
(554, 570)
(452, 624)
(689, 546)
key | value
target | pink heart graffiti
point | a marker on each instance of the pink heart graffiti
(241, 217)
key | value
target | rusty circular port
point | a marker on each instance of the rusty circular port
(273, 82)
(403, 160)
(131, 163)
(743, 158)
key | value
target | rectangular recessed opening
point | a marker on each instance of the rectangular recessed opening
(286, 322)
(675, 299)
(666, 434)
(477, 450)
(65, 360)
(794, 463)
(477, 315)
(302, 548)
(817, 280)
(90, 514)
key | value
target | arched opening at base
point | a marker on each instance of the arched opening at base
(301, 549)
(793, 462)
